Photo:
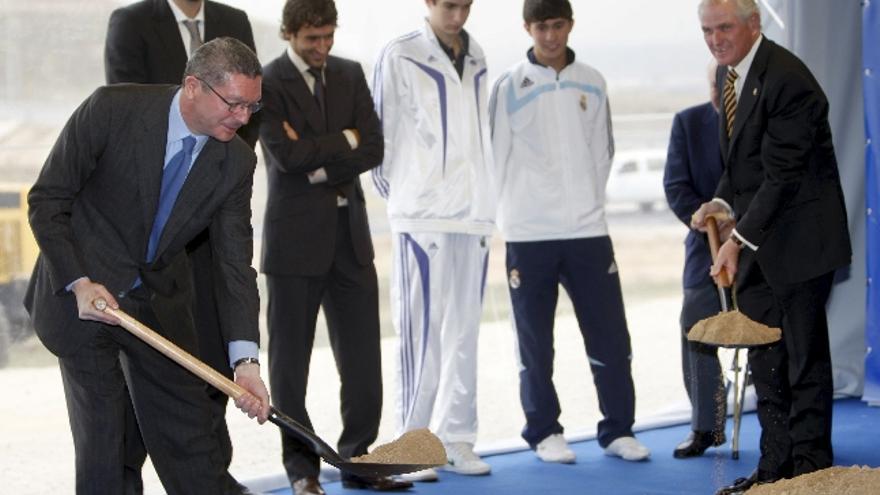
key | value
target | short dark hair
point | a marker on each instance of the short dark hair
(220, 58)
(315, 13)
(541, 10)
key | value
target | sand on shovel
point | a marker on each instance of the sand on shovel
(414, 447)
(836, 480)
(733, 329)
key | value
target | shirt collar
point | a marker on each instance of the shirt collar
(742, 68)
(179, 16)
(298, 62)
(432, 36)
(569, 57)
(177, 128)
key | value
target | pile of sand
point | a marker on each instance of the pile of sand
(733, 329)
(837, 480)
(414, 447)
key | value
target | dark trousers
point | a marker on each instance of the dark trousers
(211, 350)
(172, 410)
(349, 295)
(793, 378)
(588, 273)
(699, 362)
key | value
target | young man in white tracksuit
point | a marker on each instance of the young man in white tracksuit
(552, 143)
(430, 92)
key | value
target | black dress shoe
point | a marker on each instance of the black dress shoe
(379, 483)
(697, 442)
(307, 486)
(742, 485)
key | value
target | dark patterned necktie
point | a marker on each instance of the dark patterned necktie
(319, 89)
(729, 95)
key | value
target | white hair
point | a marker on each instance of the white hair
(744, 8)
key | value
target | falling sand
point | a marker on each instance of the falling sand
(733, 329)
(837, 480)
(414, 447)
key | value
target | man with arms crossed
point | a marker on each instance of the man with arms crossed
(789, 235)
(319, 132)
(430, 93)
(551, 134)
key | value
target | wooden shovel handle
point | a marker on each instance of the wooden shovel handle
(714, 246)
(173, 352)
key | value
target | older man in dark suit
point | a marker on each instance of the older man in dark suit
(319, 132)
(150, 42)
(693, 169)
(790, 234)
(135, 175)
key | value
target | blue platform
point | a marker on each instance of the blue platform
(856, 442)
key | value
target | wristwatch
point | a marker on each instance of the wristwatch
(245, 360)
(736, 240)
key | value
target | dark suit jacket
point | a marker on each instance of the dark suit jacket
(92, 210)
(693, 168)
(299, 230)
(781, 173)
(144, 46)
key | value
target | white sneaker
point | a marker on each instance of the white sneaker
(628, 448)
(429, 474)
(555, 449)
(463, 460)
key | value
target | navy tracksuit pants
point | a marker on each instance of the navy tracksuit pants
(587, 271)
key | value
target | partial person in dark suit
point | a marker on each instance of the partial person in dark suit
(319, 132)
(136, 174)
(150, 42)
(693, 168)
(147, 42)
(782, 186)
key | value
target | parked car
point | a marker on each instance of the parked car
(637, 178)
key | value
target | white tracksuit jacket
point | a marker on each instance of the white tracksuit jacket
(553, 146)
(435, 175)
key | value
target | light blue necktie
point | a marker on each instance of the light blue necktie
(173, 178)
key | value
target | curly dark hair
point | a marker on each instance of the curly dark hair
(541, 10)
(299, 13)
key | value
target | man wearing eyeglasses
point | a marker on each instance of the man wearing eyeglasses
(136, 174)
(319, 132)
(150, 42)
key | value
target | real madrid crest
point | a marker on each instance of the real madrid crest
(514, 279)
(584, 103)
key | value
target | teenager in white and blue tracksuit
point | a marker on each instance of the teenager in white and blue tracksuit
(552, 141)
(435, 178)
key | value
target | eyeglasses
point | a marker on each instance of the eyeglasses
(234, 107)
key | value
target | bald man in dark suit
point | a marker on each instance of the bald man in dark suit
(148, 43)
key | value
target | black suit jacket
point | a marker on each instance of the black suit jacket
(299, 230)
(781, 174)
(693, 169)
(143, 45)
(92, 209)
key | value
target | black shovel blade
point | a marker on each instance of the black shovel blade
(320, 447)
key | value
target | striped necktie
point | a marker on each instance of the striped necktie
(195, 39)
(729, 95)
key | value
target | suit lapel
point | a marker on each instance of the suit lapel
(334, 96)
(301, 94)
(751, 90)
(213, 23)
(151, 158)
(168, 32)
(200, 183)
